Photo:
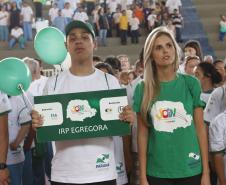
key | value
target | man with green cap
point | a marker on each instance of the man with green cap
(76, 161)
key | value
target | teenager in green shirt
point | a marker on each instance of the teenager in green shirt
(172, 139)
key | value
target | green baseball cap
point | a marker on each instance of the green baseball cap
(79, 24)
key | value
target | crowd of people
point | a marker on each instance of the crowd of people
(177, 134)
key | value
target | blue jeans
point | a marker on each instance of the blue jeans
(16, 171)
(27, 171)
(4, 33)
(221, 36)
(27, 31)
(103, 36)
(13, 41)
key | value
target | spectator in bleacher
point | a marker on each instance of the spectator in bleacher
(138, 11)
(19, 122)
(173, 4)
(222, 31)
(208, 59)
(27, 18)
(96, 60)
(193, 47)
(102, 27)
(134, 25)
(131, 76)
(17, 35)
(60, 22)
(80, 14)
(110, 22)
(123, 26)
(67, 12)
(116, 17)
(4, 24)
(53, 13)
(209, 77)
(105, 67)
(38, 9)
(115, 63)
(158, 20)
(158, 8)
(191, 63)
(220, 67)
(123, 79)
(73, 4)
(14, 16)
(151, 20)
(60, 3)
(113, 4)
(177, 20)
(125, 63)
(94, 16)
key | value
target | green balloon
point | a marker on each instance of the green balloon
(49, 45)
(14, 73)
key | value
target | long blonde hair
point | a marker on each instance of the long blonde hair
(151, 82)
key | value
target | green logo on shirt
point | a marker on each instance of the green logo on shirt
(102, 161)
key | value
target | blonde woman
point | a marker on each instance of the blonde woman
(172, 140)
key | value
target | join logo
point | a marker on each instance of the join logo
(77, 108)
(166, 113)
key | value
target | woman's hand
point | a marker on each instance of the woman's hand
(127, 114)
(205, 179)
(37, 119)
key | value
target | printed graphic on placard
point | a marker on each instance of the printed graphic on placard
(110, 108)
(78, 110)
(51, 112)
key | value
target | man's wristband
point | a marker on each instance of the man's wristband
(3, 166)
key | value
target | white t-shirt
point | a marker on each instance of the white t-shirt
(36, 87)
(81, 16)
(4, 16)
(217, 135)
(53, 13)
(4, 104)
(112, 4)
(116, 17)
(75, 160)
(130, 93)
(120, 161)
(151, 19)
(19, 115)
(173, 4)
(27, 14)
(216, 103)
(134, 23)
(17, 32)
(67, 13)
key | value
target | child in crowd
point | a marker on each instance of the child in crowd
(222, 31)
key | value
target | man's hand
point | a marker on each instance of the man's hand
(127, 115)
(37, 119)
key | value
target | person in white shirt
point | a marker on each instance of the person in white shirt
(116, 17)
(173, 4)
(17, 35)
(75, 160)
(53, 12)
(67, 12)
(19, 122)
(27, 18)
(134, 26)
(4, 23)
(80, 14)
(217, 142)
(4, 138)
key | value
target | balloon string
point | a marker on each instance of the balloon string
(20, 86)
